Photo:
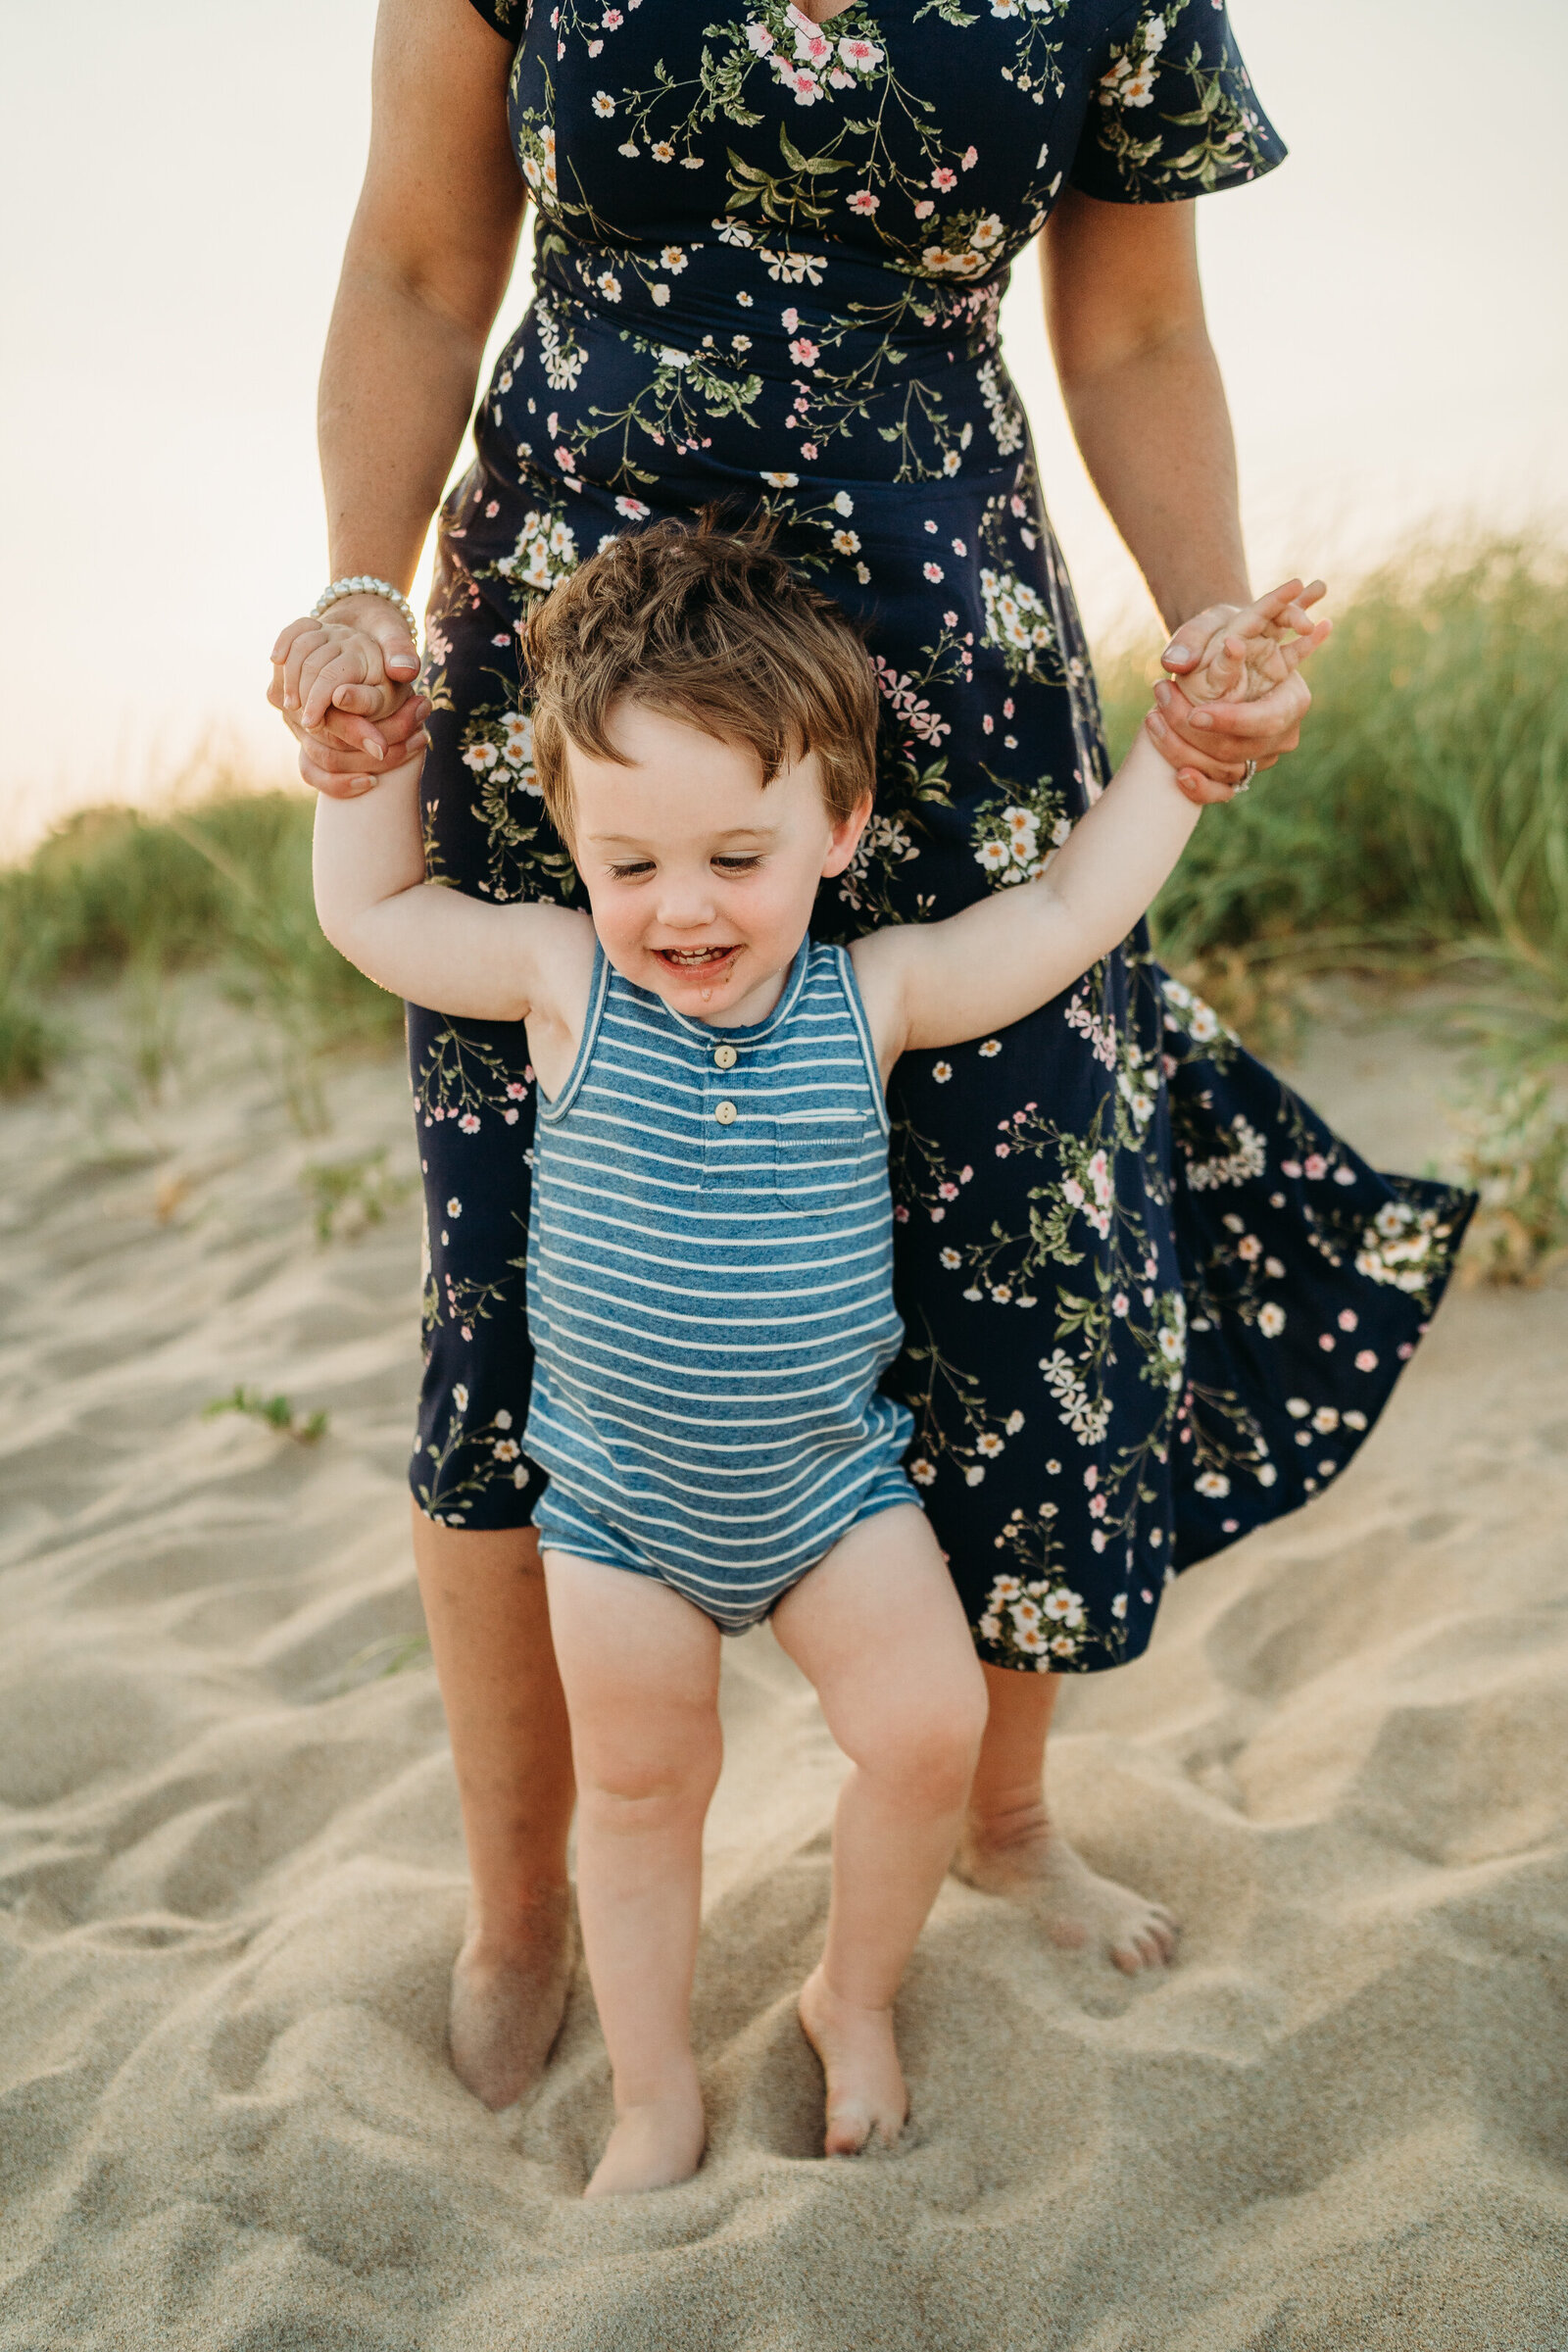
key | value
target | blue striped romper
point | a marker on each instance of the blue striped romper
(710, 1292)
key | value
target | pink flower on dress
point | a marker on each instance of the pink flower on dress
(804, 352)
(862, 201)
(802, 80)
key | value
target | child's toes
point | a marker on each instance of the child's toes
(849, 2127)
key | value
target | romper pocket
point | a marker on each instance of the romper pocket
(819, 1156)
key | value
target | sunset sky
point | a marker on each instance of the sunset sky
(177, 180)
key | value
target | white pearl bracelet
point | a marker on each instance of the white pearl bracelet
(363, 585)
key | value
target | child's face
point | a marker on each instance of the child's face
(702, 878)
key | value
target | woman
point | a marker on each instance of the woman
(771, 254)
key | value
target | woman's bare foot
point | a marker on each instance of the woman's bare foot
(653, 2145)
(1024, 1858)
(866, 2092)
(507, 2004)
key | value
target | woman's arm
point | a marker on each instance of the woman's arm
(428, 261)
(1124, 309)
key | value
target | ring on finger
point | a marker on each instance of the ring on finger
(1246, 783)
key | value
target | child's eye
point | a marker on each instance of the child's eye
(630, 873)
(736, 866)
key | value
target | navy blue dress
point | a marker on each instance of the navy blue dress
(1150, 1300)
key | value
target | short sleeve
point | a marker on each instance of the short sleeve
(1173, 111)
(508, 17)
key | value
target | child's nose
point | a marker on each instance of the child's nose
(686, 904)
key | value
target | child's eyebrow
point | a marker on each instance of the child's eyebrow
(631, 841)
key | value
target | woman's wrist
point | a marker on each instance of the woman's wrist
(361, 589)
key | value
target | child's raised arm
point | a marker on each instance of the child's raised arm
(937, 984)
(434, 946)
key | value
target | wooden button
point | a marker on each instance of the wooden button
(725, 1056)
(726, 1115)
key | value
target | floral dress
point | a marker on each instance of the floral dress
(1150, 1300)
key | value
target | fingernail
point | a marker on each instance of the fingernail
(1156, 726)
(375, 748)
(1200, 718)
(1162, 694)
(1173, 652)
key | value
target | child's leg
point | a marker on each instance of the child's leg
(879, 1630)
(640, 1667)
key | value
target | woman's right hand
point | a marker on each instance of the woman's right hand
(344, 684)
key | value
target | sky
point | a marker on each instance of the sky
(176, 179)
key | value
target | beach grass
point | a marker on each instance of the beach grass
(1424, 820)
(221, 883)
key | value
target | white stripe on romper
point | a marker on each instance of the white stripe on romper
(711, 1298)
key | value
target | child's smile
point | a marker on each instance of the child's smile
(701, 877)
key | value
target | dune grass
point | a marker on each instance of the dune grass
(224, 884)
(1425, 817)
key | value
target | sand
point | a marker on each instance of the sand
(231, 1861)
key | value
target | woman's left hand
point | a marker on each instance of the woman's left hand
(1216, 742)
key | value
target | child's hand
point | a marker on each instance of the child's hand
(1250, 659)
(343, 658)
(1259, 647)
(344, 683)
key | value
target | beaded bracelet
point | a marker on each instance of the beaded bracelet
(363, 585)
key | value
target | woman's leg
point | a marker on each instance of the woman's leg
(640, 1667)
(484, 1604)
(880, 1631)
(1011, 1846)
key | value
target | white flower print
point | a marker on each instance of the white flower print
(1016, 619)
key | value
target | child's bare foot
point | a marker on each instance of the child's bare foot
(1026, 1860)
(866, 2092)
(507, 2006)
(653, 2145)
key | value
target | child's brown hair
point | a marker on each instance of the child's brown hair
(712, 626)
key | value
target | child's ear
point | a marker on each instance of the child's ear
(845, 838)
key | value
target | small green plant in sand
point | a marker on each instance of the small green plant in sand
(275, 1412)
(350, 1196)
(393, 1653)
(28, 1042)
(1516, 1156)
(149, 1045)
